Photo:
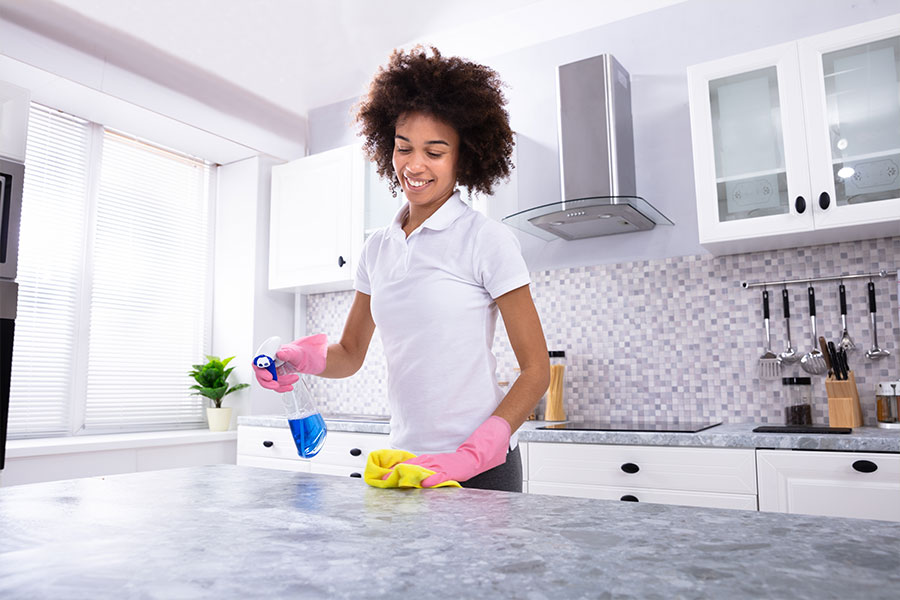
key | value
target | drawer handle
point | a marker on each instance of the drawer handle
(630, 468)
(865, 466)
(629, 498)
(355, 451)
(355, 474)
(268, 444)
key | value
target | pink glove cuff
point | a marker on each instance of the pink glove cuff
(307, 355)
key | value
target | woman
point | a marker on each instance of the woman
(434, 280)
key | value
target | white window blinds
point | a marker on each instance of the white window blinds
(51, 255)
(149, 306)
(114, 283)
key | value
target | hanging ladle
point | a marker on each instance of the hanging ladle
(813, 362)
(874, 353)
(789, 356)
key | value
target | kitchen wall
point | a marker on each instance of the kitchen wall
(653, 324)
(674, 337)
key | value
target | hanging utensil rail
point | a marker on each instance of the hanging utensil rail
(881, 273)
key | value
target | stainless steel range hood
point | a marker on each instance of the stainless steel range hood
(596, 158)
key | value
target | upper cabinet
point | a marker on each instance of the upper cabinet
(323, 207)
(799, 143)
(15, 103)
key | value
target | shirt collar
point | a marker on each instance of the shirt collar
(441, 219)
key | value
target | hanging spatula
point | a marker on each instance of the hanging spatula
(769, 363)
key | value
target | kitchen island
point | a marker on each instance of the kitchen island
(238, 532)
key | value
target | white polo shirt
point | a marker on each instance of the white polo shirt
(433, 303)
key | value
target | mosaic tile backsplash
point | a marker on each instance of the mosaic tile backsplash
(674, 338)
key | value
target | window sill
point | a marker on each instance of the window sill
(115, 441)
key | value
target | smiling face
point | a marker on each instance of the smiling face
(426, 151)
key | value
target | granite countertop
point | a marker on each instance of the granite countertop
(226, 531)
(726, 435)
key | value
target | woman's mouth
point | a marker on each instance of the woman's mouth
(416, 184)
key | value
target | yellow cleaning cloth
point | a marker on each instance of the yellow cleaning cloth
(381, 462)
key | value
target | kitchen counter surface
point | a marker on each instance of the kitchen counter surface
(727, 435)
(236, 532)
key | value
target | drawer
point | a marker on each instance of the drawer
(267, 442)
(338, 470)
(862, 485)
(349, 449)
(651, 496)
(727, 470)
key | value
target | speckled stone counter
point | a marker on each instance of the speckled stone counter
(729, 435)
(240, 532)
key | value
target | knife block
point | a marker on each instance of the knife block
(843, 402)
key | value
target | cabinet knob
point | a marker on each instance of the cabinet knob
(355, 474)
(341, 261)
(355, 451)
(629, 498)
(800, 204)
(824, 200)
(865, 466)
(268, 444)
(630, 468)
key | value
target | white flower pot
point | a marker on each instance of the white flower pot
(219, 418)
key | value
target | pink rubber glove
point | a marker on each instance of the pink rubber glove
(485, 449)
(306, 355)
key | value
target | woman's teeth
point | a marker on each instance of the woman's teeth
(416, 183)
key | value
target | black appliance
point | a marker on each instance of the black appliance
(11, 176)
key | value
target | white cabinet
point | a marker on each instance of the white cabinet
(799, 143)
(323, 207)
(15, 103)
(839, 484)
(344, 453)
(710, 477)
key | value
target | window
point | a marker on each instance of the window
(114, 283)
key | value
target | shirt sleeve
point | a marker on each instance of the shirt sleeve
(499, 265)
(361, 281)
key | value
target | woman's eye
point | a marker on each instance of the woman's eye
(435, 154)
(404, 150)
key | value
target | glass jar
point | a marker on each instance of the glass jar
(555, 409)
(887, 404)
(797, 400)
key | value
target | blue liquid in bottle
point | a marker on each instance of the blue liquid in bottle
(309, 434)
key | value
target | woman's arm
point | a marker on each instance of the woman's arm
(523, 325)
(347, 356)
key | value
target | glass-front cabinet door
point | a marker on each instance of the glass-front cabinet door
(750, 165)
(851, 79)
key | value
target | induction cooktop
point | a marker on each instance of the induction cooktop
(653, 426)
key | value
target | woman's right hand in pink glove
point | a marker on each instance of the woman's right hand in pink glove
(306, 355)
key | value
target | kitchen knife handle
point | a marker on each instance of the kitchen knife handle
(845, 365)
(765, 305)
(784, 303)
(871, 297)
(843, 293)
(812, 301)
(836, 367)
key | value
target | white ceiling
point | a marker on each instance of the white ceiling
(299, 54)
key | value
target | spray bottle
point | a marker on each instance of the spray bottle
(307, 424)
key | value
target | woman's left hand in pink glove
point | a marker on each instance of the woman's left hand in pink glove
(485, 449)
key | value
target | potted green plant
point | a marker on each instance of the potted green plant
(212, 382)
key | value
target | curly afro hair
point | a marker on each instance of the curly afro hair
(465, 95)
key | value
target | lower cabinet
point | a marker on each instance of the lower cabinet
(344, 453)
(863, 485)
(708, 477)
